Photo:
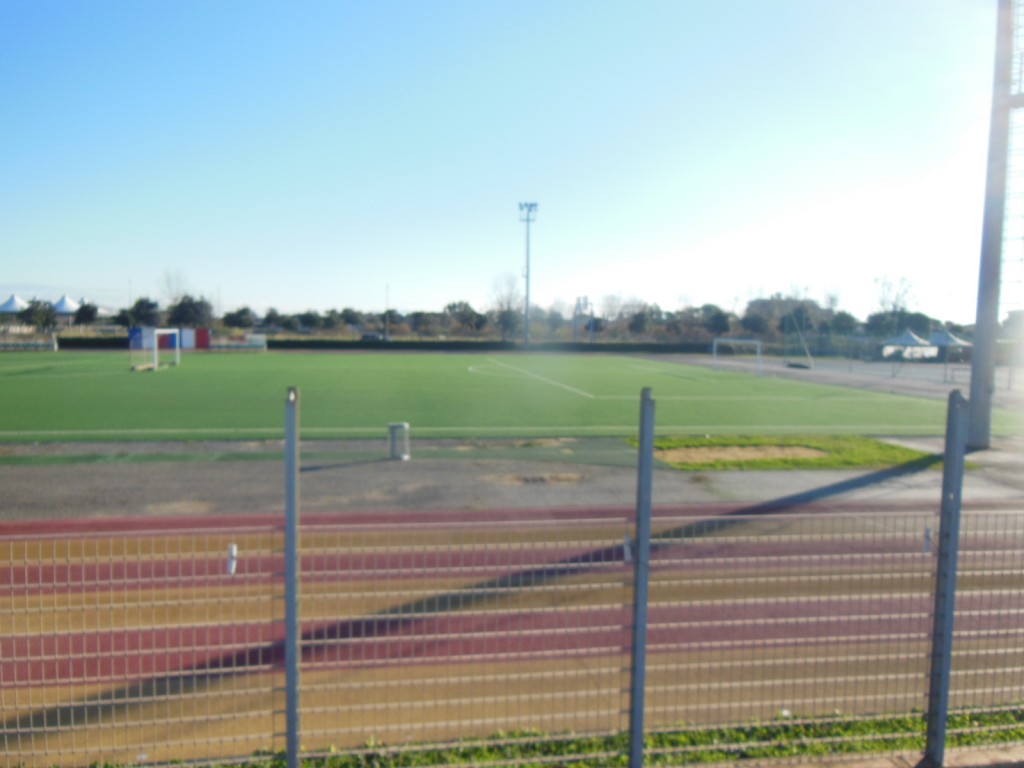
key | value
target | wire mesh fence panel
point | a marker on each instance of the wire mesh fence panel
(788, 618)
(435, 631)
(447, 629)
(987, 680)
(137, 647)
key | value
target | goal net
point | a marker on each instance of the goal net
(151, 349)
(742, 351)
(795, 351)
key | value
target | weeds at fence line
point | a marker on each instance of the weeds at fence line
(784, 738)
(782, 452)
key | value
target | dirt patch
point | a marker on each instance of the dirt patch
(542, 442)
(550, 478)
(180, 508)
(713, 453)
(562, 443)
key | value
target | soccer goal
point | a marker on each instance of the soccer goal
(151, 349)
(795, 352)
(736, 350)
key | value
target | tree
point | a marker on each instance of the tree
(143, 312)
(422, 323)
(41, 314)
(86, 313)
(310, 319)
(881, 324)
(507, 305)
(173, 287)
(798, 319)
(611, 307)
(507, 321)
(920, 323)
(272, 319)
(755, 323)
(351, 317)
(240, 318)
(716, 321)
(892, 298)
(638, 323)
(556, 320)
(844, 324)
(189, 312)
(464, 316)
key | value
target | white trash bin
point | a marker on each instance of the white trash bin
(398, 440)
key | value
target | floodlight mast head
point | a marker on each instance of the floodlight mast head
(527, 213)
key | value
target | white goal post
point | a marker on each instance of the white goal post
(732, 344)
(145, 349)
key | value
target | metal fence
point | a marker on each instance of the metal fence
(448, 631)
(132, 647)
(157, 646)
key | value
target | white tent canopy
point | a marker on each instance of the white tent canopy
(907, 339)
(944, 338)
(66, 305)
(13, 305)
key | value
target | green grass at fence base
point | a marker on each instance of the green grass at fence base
(850, 452)
(789, 738)
(837, 452)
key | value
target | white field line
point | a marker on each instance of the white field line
(745, 399)
(544, 379)
(679, 398)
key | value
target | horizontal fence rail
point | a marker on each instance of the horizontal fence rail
(441, 632)
(138, 647)
(152, 646)
(987, 676)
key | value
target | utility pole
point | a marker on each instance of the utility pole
(527, 213)
(1006, 97)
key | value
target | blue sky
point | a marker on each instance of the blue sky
(317, 155)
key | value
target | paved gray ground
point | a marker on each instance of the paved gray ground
(247, 478)
(443, 475)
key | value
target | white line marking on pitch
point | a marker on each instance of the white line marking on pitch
(546, 380)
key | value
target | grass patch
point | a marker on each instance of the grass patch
(784, 452)
(80, 396)
(790, 739)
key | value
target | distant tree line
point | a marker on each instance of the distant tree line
(823, 329)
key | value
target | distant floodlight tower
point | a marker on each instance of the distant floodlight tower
(1007, 100)
(579, 313)
(527, 213)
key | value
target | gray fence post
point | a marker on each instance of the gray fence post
(641, 575)
(292, 651)
(945, 579)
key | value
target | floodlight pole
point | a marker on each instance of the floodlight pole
(1005, 98)
(527, 213)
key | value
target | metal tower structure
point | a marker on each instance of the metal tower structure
(527, 213)
(579, 315)
(1004, 211)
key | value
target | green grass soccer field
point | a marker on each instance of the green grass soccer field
(94, 396)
